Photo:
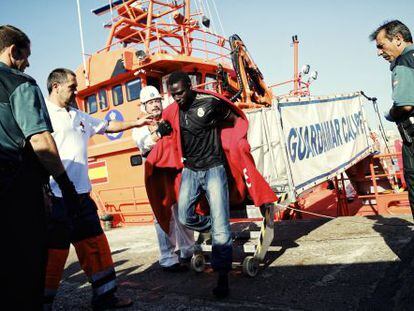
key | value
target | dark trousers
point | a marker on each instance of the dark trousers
(408, 161)
(84, 231)
(64, 229)
(22, 240)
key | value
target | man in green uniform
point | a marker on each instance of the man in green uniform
(395, 45)
(28, 154)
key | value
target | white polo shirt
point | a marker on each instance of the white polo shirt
(71, 131)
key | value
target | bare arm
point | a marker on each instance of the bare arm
(45, 148)
(119, 126)
(400, 112)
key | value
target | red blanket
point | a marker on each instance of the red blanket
(164, 164)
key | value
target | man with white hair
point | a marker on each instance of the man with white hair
(146, 137)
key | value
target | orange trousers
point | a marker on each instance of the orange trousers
(85, 233)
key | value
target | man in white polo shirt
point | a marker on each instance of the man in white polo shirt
(146, 137)
(81, 227)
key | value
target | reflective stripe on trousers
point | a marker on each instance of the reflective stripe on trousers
(96, 261)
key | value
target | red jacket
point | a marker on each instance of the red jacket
(164, 164)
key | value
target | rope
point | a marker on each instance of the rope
(112, 14)
(198, 11)
(281, 207)
(213, 28)
(218, 17)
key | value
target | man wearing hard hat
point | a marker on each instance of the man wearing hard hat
(146, 137)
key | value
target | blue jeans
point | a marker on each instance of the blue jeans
(213, 184)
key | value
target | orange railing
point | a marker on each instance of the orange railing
(127, 210)
(212, 47)
(395, 195)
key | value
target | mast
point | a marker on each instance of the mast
(295, 64)
(187, 13)
(149, 22)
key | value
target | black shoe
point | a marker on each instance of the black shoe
(112, 302)
(222, 289)
(221, 292)
(175, 268)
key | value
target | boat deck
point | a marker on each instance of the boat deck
(347, 263)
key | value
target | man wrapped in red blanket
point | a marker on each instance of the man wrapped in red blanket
(206, 159)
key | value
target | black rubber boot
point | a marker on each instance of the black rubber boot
(222, 289)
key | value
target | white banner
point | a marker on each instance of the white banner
(323, 138)
(267, 147)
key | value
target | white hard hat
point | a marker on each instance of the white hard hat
(149, 93)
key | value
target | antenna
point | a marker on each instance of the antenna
(295, 42)
(85, 72)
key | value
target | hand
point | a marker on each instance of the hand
(69, 195)
(164, 128)
(146, 120)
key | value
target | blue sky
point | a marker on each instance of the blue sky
(333, 38)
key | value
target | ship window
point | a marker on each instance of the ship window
(210, 83)
(117, 97)
(195, 78)
(91, 104)
(133, 89)
(154, 82)
(103, 101)
(136, 160)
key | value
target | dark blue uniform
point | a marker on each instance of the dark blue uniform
(403, 95)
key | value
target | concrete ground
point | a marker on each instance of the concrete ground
(349, 263)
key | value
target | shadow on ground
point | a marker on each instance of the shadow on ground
(313, 265)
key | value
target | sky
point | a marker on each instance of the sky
(333, 38)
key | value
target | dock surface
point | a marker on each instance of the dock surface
(348, 263)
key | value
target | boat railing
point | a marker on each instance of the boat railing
(200, 43)
(127, 209)
(303, 88)
(207, 85)
(384, 199)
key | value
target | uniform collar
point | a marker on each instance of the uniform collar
(406, 50)
(3, 66)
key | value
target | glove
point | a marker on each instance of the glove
(69, 195)
(164, 128)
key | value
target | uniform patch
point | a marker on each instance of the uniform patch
(395, 83)
(200, 112)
